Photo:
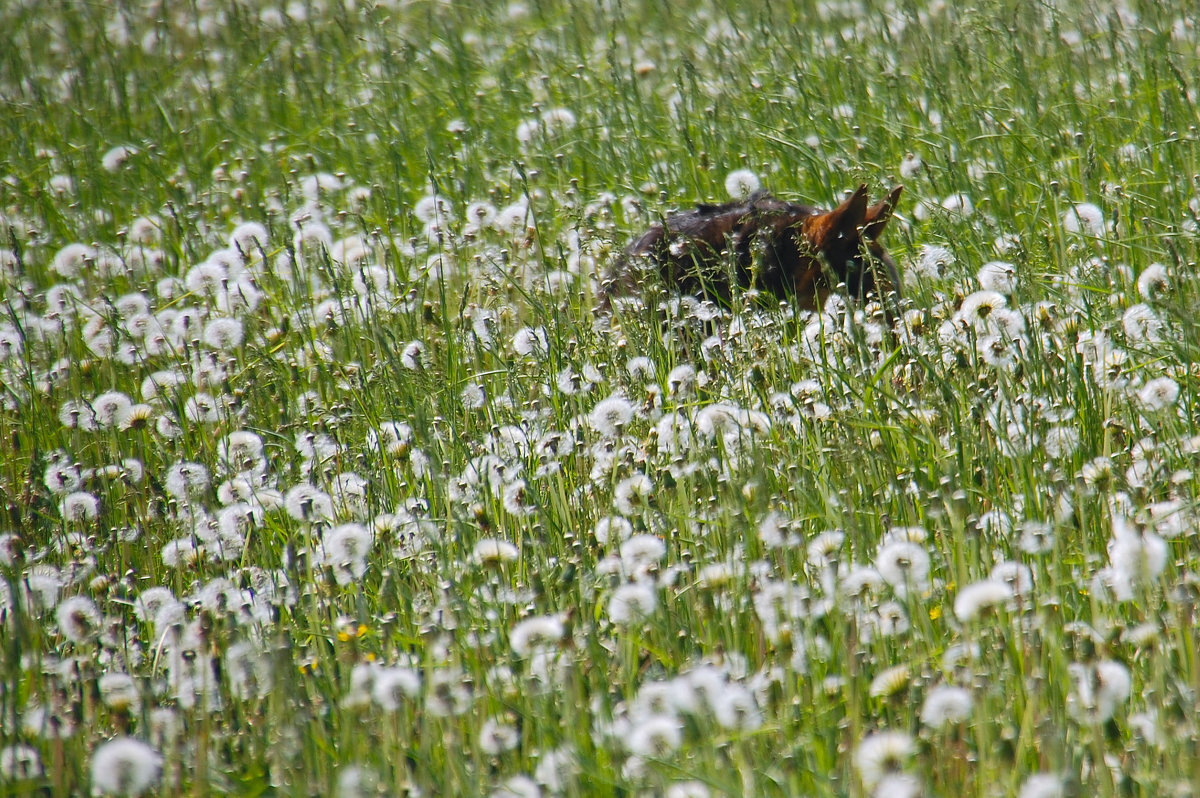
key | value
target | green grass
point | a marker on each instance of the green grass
(269, 677)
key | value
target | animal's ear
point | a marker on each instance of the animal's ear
(849, 216)
(840, 223)
(878, 215)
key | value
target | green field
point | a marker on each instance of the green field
(324, 476)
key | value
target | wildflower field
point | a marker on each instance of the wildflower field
(325, 472)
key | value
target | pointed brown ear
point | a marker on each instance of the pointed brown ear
(849, 216)
(840, 223)
(878, 215)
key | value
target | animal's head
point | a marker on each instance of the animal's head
(846, 238)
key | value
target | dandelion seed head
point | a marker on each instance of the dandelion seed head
(613, 528)
(530, 342)
(889, 681)
(432, 208)
(241, 451)
(571, 383)
(558, 120)
(46, 723)
(1097, 471)
(904, 534)
(513, 220)
(63, 476)
(1113, 681)
(538, 632)
(516, 500)
(654, 737)
(114, 158)
(202, 408)
(11, 553)
(946, 705)
(996, 522)
(346, 547)
(497, 736)
(735, 707)
(155, 601)
(78, 414)
(681, 380)
(1142, 324)
(640, 368)
(1016, 575)
(1153, 282)
(775, 530)
(473, 396)
(449, 694)
(1037, 537)
(1170, 519)
(394, 686)
(160, 383)
(248, 238)
(167, 426)
(12, 343)
(632, 602)
(520, 785)
(1061, 441)
(119, 691)
(932, 263)
(610, 416)
(492, 551)
(79, 507)
(186, 480)
(1084, 219)
(999, 276)
(975, 599)
(70, 261)
(959, 204)
(823, 548)
(632, 494)
(305, 502)
(320, 184)
(42, 584)
(860, 583)
(1136, 557)
(741, 183)
(889, 619)
(976, 308)
(641, 553)
(132, 305)
(880, 754)
(20, 762)
(1007, 324)
(223, 333)
(1160, 393)
(484, 323)
(124, 767)
(904, 566)
(688, 789)
(552, 122)
(898, 785)
(78, 619)
(1099, 690)
(1043, 785)
(357, 781)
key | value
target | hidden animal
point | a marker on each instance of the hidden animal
(795, 252)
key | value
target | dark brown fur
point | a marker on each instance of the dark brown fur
(792, 251)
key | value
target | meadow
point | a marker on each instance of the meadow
(323, 475)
